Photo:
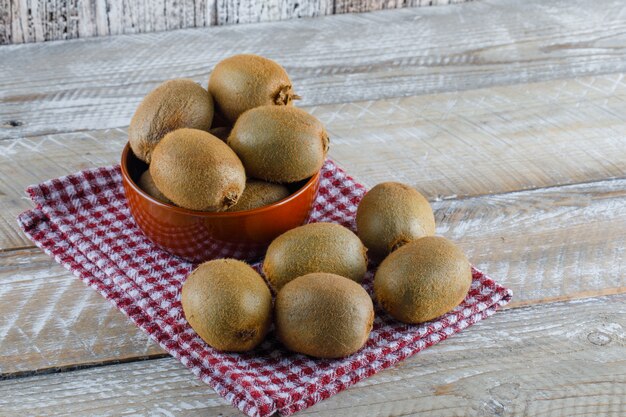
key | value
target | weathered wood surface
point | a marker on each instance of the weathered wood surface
(496, 162)
(548, 244)
(468, 143)
(49, 319)
(97, 83)
(250, 11)
(504, 366)
(39, 20)
(359, 6)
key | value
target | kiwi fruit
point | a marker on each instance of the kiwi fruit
(423, 280)
(243, 82)
(228, 304)
(197, 171)
(147, 184)
(279, 144)
(315, 247)
(258, 194)
(323, 315)
(392, 214)
(172, 105)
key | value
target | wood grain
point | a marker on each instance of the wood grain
(483, 157)
(49, 319)
(476, 142)
(548, 244)
(5, 18)
(555, 360)
(39, 20)
(97, 83)
(44, 20)
(359, 6)
(250, 11)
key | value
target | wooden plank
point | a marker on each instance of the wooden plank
(51, 320)
(490, 140)
(359, 6)
(98, 83)
(493, 140)
(558, 359)
(5, 18)
(549, 244)
(38, 20)
(250, 11)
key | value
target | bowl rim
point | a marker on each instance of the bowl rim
(126, 175)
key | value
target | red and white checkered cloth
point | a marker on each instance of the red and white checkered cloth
(82, 220)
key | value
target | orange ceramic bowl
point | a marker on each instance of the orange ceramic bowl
(200, 236)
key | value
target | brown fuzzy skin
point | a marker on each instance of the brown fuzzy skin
(279, 144)
(197, 171)
(259, 194)
(423, 280)
(147, 184)
(172, 105)
(228, 304)
(315, 247)
(243, 82)
(392, 214)
(323, 315)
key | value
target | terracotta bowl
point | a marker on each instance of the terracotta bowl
(200, 236)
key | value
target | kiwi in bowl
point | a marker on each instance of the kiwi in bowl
(200, 236)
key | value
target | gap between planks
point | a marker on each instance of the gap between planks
(82, 366)
(559, 359)
(98, 83)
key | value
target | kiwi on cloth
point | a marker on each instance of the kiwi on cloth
(315, 247)
(228, 304)
(392, 214)
(197, 171)
(172, 105)
(423, 280)
(323, 315)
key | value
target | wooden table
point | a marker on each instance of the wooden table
(510, 116)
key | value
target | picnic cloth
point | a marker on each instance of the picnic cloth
(83, 222)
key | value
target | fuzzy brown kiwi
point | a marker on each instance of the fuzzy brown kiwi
(243, 82)
(423, 280)
(172, 105)
(258, 194)
(323, 315)
(197, 171)
(147, 184)
(228, 304)
(315, 247)
(392, 214)
(279, 144)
